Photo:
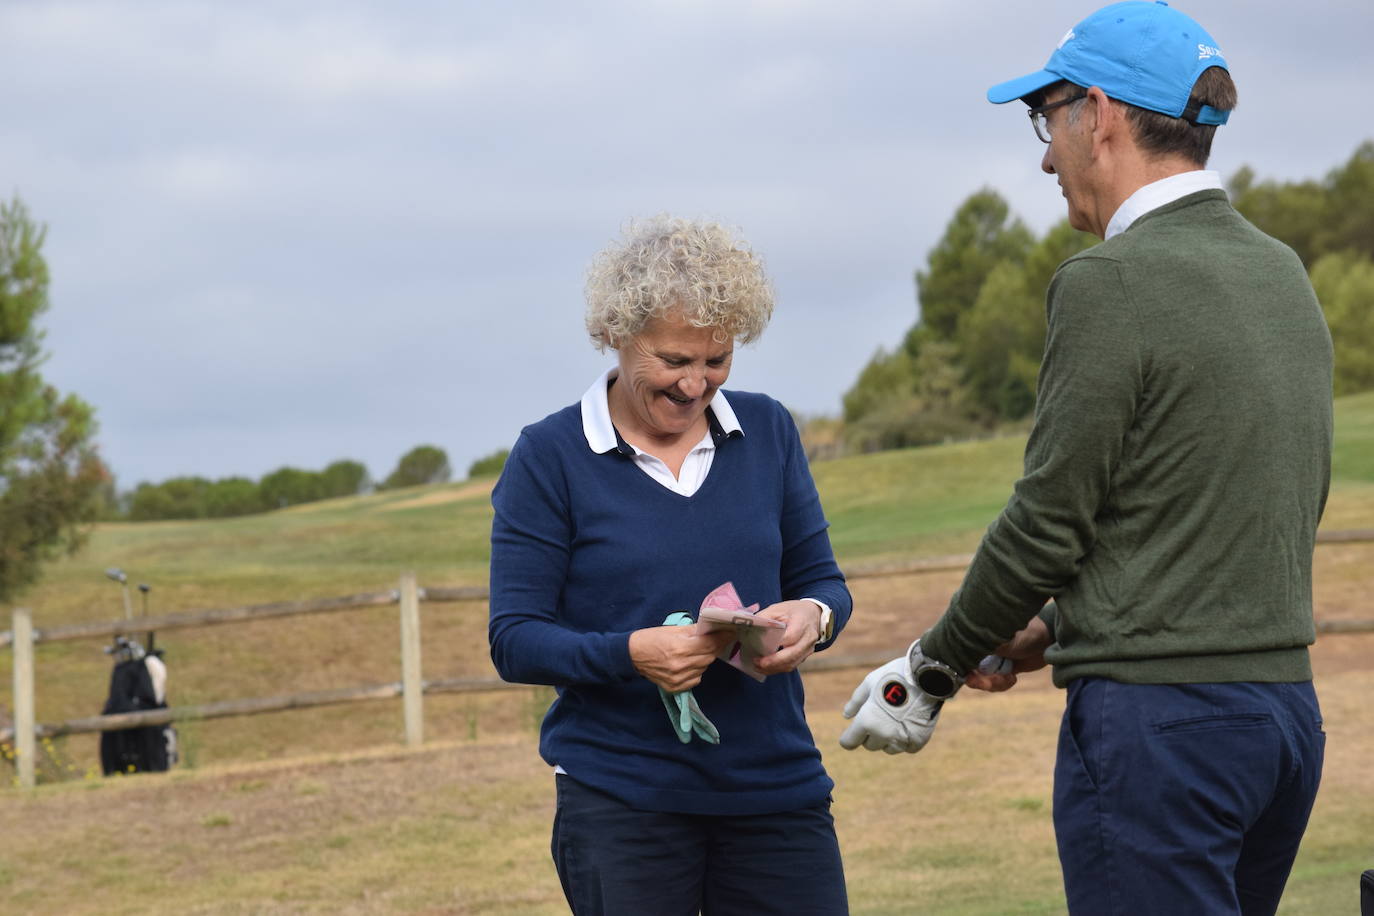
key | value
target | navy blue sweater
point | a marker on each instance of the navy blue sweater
(586, 548)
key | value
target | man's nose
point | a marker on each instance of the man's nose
(1046, 165)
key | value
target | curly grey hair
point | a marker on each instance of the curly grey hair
(699, 268)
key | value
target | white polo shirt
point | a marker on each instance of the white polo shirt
(602, 437)
(1158, 193)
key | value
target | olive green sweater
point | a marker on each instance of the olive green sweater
(1177, 468)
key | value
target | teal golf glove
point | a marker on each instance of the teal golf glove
(683, 712)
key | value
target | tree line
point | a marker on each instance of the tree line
(199, 497)
(968, 365)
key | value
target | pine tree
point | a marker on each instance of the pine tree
(50, 475)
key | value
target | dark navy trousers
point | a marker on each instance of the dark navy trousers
(1184, 798)
(616, 860)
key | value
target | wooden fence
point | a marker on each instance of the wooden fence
(23, 637)
(411, 687)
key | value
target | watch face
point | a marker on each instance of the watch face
(936, 682)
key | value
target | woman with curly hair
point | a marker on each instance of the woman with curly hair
(633, 504)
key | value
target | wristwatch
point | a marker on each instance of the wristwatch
(936, 679)
(827, 621)
(827, 624)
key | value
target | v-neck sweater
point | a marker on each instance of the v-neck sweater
(586, 549)
(1178, 466)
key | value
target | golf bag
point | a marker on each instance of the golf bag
(138, 682)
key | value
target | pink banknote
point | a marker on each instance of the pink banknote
(754, 635)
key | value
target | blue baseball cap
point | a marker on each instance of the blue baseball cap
(1141, 53)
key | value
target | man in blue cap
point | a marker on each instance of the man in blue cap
(1174, 479)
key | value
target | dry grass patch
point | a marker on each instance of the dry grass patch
(439, 497)
(462, 827)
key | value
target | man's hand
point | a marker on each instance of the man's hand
(803, 619)
(890, 712)
(1026, 650)
(675, 657)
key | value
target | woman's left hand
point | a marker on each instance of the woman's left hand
(803, 619)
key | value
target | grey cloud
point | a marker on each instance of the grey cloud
(289, 233)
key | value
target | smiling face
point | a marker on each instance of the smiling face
(668, 374)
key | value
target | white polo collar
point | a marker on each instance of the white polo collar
(600, 431)
(1158, 193)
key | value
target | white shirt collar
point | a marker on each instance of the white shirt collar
(1158, 193)
(596, 414)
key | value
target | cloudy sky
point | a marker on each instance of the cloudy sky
(292, 232)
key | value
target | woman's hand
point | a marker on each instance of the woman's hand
(674, 657)
(803, 619)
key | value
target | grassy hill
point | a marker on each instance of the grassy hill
(912, 502)
(889, 505)
(318, 811)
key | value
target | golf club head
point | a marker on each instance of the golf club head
(144, 587)
(117, 574)
(125, 649)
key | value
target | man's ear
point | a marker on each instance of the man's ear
(1108, 119)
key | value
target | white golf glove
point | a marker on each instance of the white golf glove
(893, 715)
(890, 713)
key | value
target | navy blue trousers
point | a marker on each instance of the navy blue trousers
(1184, 798)
(616, 860)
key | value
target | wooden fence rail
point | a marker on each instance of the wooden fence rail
(188, 619)
(829, 661)
(411, 688)
(191, 619)
(23, 637)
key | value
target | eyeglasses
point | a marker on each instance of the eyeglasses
(1042, 123)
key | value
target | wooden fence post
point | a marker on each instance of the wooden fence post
(24, 744)
(412, 685)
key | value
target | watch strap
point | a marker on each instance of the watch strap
(827, 621)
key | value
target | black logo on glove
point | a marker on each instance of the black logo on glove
(894, 693)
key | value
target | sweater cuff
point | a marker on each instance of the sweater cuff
(944, 641)
(1050, 615)
(618, 646)
(933, 644)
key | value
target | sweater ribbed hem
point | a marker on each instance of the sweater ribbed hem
(1275, 666)
(679, 801)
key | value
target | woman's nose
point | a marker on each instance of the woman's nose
(693, 383)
